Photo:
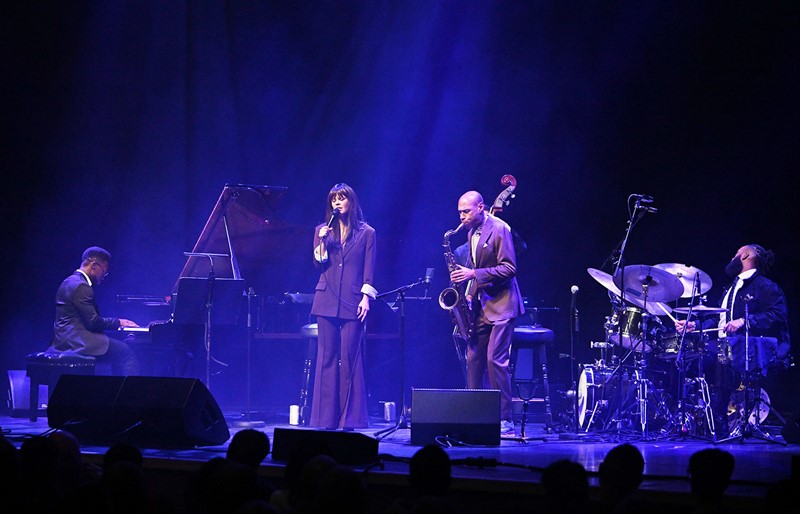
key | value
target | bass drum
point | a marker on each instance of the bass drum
(598, 388)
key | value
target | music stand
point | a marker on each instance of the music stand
(210, 302)
(401, 419)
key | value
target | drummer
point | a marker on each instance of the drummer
(767, 315)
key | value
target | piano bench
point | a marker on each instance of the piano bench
(47, 368)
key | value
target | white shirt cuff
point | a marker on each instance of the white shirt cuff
(369, 291)
(320, 256)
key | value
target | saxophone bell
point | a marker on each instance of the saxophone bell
(448, 298)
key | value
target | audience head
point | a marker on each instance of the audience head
(123, 452)
(621, 471)
(710, 472)
(565, 483)
(429, 470)
(249, 447)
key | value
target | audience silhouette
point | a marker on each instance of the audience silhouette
(710, 471)
(429, 475)
(48, 473)
(566, 488)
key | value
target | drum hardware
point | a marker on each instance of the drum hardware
(750, 426)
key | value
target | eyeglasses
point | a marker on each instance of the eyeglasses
(103, 267)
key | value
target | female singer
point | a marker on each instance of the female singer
(344, 251)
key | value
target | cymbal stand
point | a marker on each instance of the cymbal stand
(683, 429)
(744, 428)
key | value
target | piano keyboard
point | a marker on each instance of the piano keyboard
(135, 329)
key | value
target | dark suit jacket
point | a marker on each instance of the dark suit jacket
(79, 327)
(338, 291)
(767, 308)
(495, 271)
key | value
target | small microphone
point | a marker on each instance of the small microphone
(643, 198)
(428, 276)
(646, 208)
(333, 217)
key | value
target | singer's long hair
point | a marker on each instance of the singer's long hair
(354, 218)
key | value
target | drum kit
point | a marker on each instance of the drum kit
(642, 380)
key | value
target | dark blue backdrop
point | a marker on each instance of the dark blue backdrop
(123, 120)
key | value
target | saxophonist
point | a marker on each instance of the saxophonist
(495, 298)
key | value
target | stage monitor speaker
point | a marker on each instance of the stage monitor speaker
(84, 406)
(349, 448)
(469, 416)
(161, 412)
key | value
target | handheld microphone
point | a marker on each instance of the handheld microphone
(643, 198)
(334, 214)
(646, 208)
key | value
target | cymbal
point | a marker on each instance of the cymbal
(605, 280)
(692, 278)
(700, 309)
(648, 283)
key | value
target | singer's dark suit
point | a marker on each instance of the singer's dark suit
(79, 327)
(340, 395)
(497, 302)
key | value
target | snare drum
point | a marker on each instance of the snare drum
(668, 345)
(597, 389)
(630, 334)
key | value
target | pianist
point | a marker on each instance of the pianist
(79, 327)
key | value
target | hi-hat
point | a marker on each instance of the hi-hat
(693, 279)
(648, 283)
(700, 309)
(605, 280)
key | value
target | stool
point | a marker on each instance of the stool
(529, 341)
(311, 333)
(47, 368)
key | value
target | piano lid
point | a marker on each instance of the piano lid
(253, 243)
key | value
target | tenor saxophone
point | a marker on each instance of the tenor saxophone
(452, 298)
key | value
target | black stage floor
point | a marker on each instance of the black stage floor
(507, 475)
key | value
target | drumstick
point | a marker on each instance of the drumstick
(667, 313)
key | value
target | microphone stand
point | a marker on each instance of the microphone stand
(572, 333)
(401, 297)
(247, 422)
(208, 306)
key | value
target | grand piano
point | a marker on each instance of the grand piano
(238, 281)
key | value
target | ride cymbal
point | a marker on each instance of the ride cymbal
(693, 279)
